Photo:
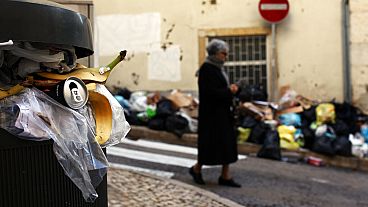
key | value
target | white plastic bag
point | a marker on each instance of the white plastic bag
(35, 116)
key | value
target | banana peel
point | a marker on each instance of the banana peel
(91, 86)
(99, 103)
(100, 106)
(103, 116)
(98, 75)
(12, 91)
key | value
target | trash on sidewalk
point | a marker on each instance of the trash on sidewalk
(315, 161)
(307, 117)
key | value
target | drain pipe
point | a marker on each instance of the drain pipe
(346, 51)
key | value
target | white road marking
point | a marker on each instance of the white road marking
(319, 180)
(161, 146)
(167, 147)
(150, 157)
(154, 157)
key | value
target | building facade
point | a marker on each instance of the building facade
(316, 45)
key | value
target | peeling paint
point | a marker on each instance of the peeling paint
(135, 78)
(210, 3)
(129, 57)
(181, 54)
(165, 45)
(170, 31)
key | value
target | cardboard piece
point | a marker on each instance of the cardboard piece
(296, 109)
(180, 99)
(259, 112)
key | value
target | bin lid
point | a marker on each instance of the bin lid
(45, 22)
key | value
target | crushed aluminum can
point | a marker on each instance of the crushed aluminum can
(72, 92)
(315, 161)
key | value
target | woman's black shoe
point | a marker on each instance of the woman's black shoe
(229, 182)
(197, 177)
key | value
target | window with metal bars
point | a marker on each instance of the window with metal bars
(246, 63)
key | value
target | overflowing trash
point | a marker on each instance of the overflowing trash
(45, 94)
(294, 122)
(173, 111)
(328, 128)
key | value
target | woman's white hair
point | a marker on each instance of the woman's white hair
(216, 45)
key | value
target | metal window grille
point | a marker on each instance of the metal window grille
(246, 63)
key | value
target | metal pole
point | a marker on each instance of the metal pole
(346, 52)
(274, 75)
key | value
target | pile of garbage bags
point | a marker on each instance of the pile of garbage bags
(293, 122)
(174, 111)
(29, 112)
(329, 128)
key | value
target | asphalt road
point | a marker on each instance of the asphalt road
(274, 183)
(267, 182)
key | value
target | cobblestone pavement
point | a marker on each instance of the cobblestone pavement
(128, 188)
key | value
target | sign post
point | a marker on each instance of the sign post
(273, 11)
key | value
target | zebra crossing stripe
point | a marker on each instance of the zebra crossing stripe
(167, 147)
(150, 157)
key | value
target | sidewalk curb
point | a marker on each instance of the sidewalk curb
(206, 193)
(142, 132)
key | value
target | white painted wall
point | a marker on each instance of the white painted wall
(309, 44)
(359, 46)
(310, 49)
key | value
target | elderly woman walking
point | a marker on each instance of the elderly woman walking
(217, 143)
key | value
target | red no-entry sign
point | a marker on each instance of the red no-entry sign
(273, 11)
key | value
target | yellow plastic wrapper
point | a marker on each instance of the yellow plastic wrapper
(286, 134)
(243, 134)
(325, 113)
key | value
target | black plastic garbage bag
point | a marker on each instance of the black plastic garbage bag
(248, 122)
(157, 123)
(258, 133)
(340, 127)
(309, 137)
(165, 108)
(132, 118)
(342, 146)
(177, 124)
(309, 115)
(324, 145)
(271, 146)
(252, 93)
(348, 113)
(345, 111)
(124, 92)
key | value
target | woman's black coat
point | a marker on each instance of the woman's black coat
(216, 137)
